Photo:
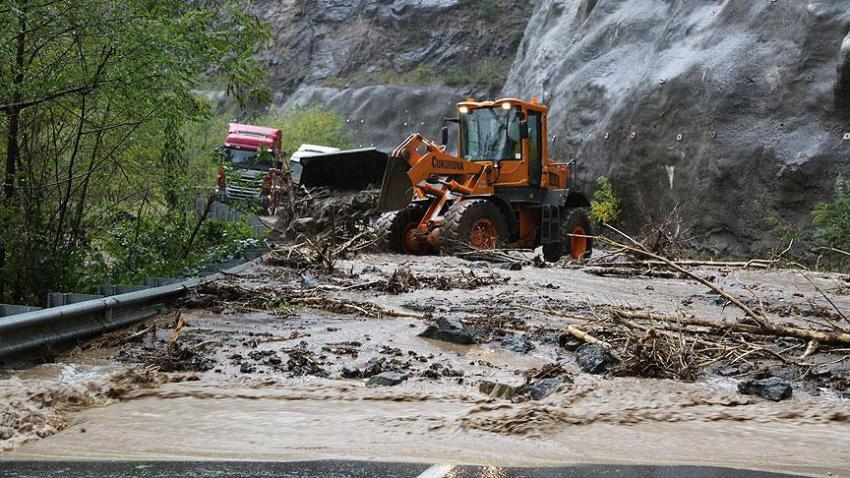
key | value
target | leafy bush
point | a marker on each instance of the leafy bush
(605, 207)
(832, 219)
(159, 246)
(310, 125)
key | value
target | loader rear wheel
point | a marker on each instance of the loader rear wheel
(473, 224)
(398, 229)
(574, 222)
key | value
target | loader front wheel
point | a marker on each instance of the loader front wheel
(398, 230)
(473, 224)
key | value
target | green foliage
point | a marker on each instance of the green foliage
(486, 73)
(605, 207)
(310, 125)
(98, 124)
(832, 219)
(423, 75)
(155, 246)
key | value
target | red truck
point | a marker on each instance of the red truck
(253, 166)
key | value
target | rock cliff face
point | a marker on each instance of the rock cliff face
(734, 111)
(352, 43)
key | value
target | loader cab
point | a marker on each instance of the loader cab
(509, 133)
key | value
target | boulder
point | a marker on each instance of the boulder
(449, 330)
(595, 359)
(772, 388)
(567, 341)
(246, 367)
(542, 388)
(386, 379)
(517, 343)
(351, 372)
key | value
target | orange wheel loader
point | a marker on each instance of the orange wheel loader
(501, 191)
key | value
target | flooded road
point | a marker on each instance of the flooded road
(280, 384)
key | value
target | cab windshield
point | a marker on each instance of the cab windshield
(490, 134)
(245, 159)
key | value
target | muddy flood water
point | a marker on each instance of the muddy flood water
(232, 374)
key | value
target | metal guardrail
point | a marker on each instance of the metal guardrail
(48, 327)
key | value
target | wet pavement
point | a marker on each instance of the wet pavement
(353, 469)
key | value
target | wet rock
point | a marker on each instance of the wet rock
(351, 372)
(449, 330)
(386, 379)
(517, 343)
(511, 266)
(772, 388)
(736, 369)
(846, 394)
(593, 358)
(497, 389)
(542, 388)
(569, 342)
(273, 361)
(246, 367)
(258, 355)
(374, 367)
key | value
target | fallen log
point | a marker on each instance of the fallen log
(630, 272)
(768, 328)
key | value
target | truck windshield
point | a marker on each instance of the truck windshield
(490, 134)
(245, 159)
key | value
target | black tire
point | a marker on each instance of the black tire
(462, 218)
(575, 221)
(391, 226)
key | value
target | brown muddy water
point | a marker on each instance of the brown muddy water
(244, 402)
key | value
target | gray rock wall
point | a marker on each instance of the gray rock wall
(384, 116)
(733, 110)
(356, 42)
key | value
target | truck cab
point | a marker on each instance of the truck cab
(252, 153)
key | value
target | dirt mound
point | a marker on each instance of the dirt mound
(322, 210)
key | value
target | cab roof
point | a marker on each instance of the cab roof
(534, 104)
(250, 136)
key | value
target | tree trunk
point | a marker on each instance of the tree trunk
(13, 118)
(188, 247)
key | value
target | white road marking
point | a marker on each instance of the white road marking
(437, 471)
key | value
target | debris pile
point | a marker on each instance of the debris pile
(681, 346)
(402, 280)
(315, 211)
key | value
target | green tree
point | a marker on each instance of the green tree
(605, 207)
(309, 125)
(832, 219)
(96, 101)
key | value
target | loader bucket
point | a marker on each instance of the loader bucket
(397, 188)
(351, 170)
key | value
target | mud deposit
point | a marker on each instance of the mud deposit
(286, 364)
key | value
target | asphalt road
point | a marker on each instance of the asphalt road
(349, 469)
